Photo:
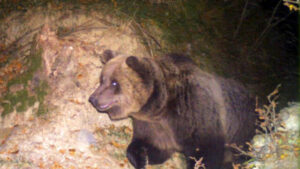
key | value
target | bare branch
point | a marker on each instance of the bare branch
(269, 25)
(241, 19)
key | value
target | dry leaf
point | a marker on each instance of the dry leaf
(236, 166)
(62, 151)
(41, 165)
(117, 145)
(72, 152)
(79, 76)
(3, 58)
(127, 130)
(56, 165)
(75, 101)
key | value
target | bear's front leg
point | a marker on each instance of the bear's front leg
(137, 154)
(141, 153)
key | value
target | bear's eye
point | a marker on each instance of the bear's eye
(114, 83)
(115, 86)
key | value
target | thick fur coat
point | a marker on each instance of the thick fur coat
(175, 107)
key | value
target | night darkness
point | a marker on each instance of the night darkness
(288, 33)
(50, 65)
(289, 27)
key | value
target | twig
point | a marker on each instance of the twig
(151, 37)
(76, 30)
(13, 47)
(242, 152)
(293, 2)
(198, 164)
(86, 26)
(107, 23)
(241, 19)
(269, 25)
(273, 25)
(145, 34)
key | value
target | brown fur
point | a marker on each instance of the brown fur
(175, 106)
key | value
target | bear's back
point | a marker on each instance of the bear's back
(211, 106)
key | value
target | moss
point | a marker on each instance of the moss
(22, 97)
(7, 108)
(11, 100)
(42, 110)
(41, 92)
(34, 63)
(31, 100)
(22, 107)
(21, 100)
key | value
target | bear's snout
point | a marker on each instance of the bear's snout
(101, 105)
(93, 101)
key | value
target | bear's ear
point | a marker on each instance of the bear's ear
(139, 67)
(106, 56)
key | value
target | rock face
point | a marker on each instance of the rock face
(175, 107)
(278, 149)
(67, 135)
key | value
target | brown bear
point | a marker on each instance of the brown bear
(175, 107)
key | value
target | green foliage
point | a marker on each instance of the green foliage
(41, 92)
(34, 62)
(12, 100)
(21, 100)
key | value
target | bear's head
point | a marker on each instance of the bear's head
(130, 86)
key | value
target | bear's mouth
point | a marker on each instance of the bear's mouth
(105, 107)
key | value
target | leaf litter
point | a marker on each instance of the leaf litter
(68, 132)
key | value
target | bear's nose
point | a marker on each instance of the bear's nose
(93, 101)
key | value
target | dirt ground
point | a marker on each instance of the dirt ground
(70, 133)
(50, 65)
